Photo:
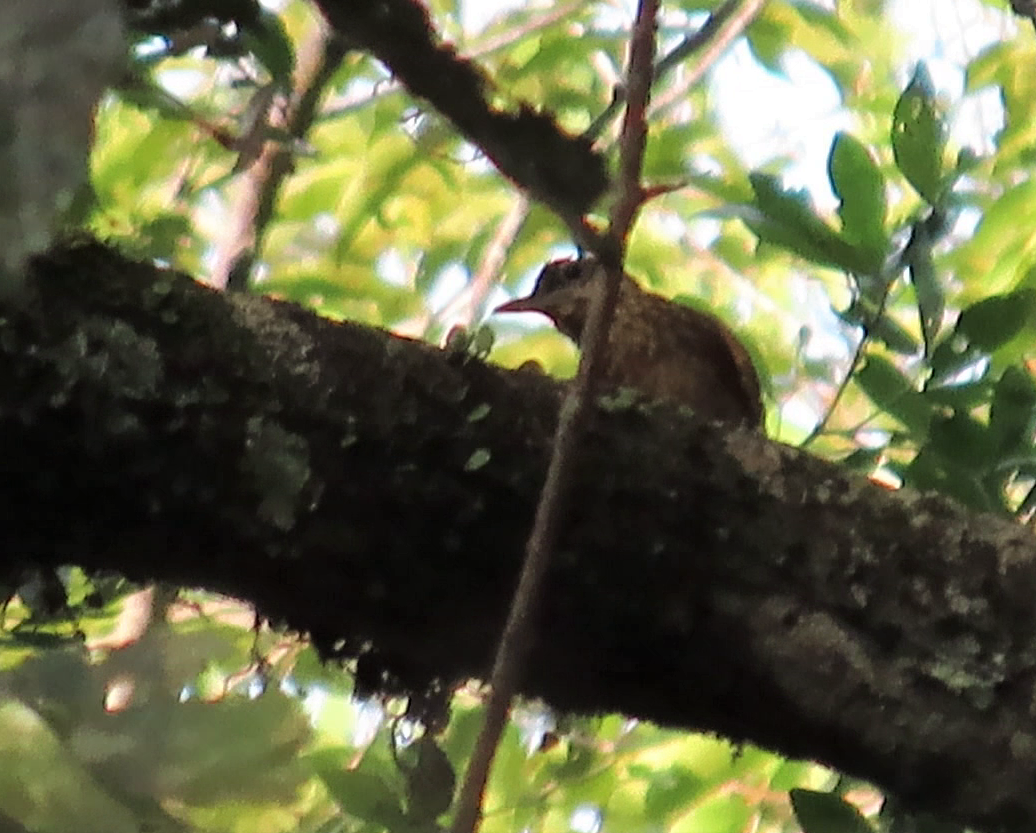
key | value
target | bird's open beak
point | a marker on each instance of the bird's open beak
(529, 304)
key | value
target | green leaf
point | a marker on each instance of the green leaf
(893, 335)
(860, 187)
(821, 812)
(1003, 242)
(671, 789)
(726, 189)
(919, 136)
(578, 765)
(430, 782)
(962, 439)
(1008, 65)
(931, 302)
(994, 321)
(886, 329)
(931, 470)
(1012, 414)
(863, 460)
(266, 38)
(718, 812)
(791, 208)
(50, 788)
(895, 394)
(951, 356)
(987, 67)
(768, 42)
(361, 792)
(787, 219)
(965, 397)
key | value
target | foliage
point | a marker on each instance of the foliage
(891, 314)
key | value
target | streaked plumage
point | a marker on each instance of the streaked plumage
(661, 348)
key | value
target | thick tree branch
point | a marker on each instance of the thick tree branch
(370, 489)
(559, 170)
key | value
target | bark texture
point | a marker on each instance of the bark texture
(376, 493)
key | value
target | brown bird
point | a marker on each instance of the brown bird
(658, 347)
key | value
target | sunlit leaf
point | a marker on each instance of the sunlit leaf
(1003, 244)
(45, 787)
(1012, 414)
(1008, 64)
(919, 136)
(720, 814)
(787, 219)
(994, 321)
(670, 790)
(884, 327)
(362, 793)
(860, 187)
(959, 397)
(768, 41)
(952, 357)
(894, 393)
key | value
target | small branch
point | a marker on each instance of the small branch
(634, 126)
(495, 255)
(922, 231)
(713, 28)
(487, 46)
(723, 25)
(516, 640)
(565, 174)
(821, 426)
(473, 297)
(318, 58)
(712, 44)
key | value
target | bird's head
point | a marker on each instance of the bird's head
(562, 292)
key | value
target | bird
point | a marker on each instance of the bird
(660, 348)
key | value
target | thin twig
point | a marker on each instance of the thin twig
(516, 638)
(496, 254)
(486, 46)
(865, 339)
(474, 295)
(734, 15)
(634, 128)
(319, 56)
(711, 28)
(712, 44)
(923, 232)
(821, 426)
